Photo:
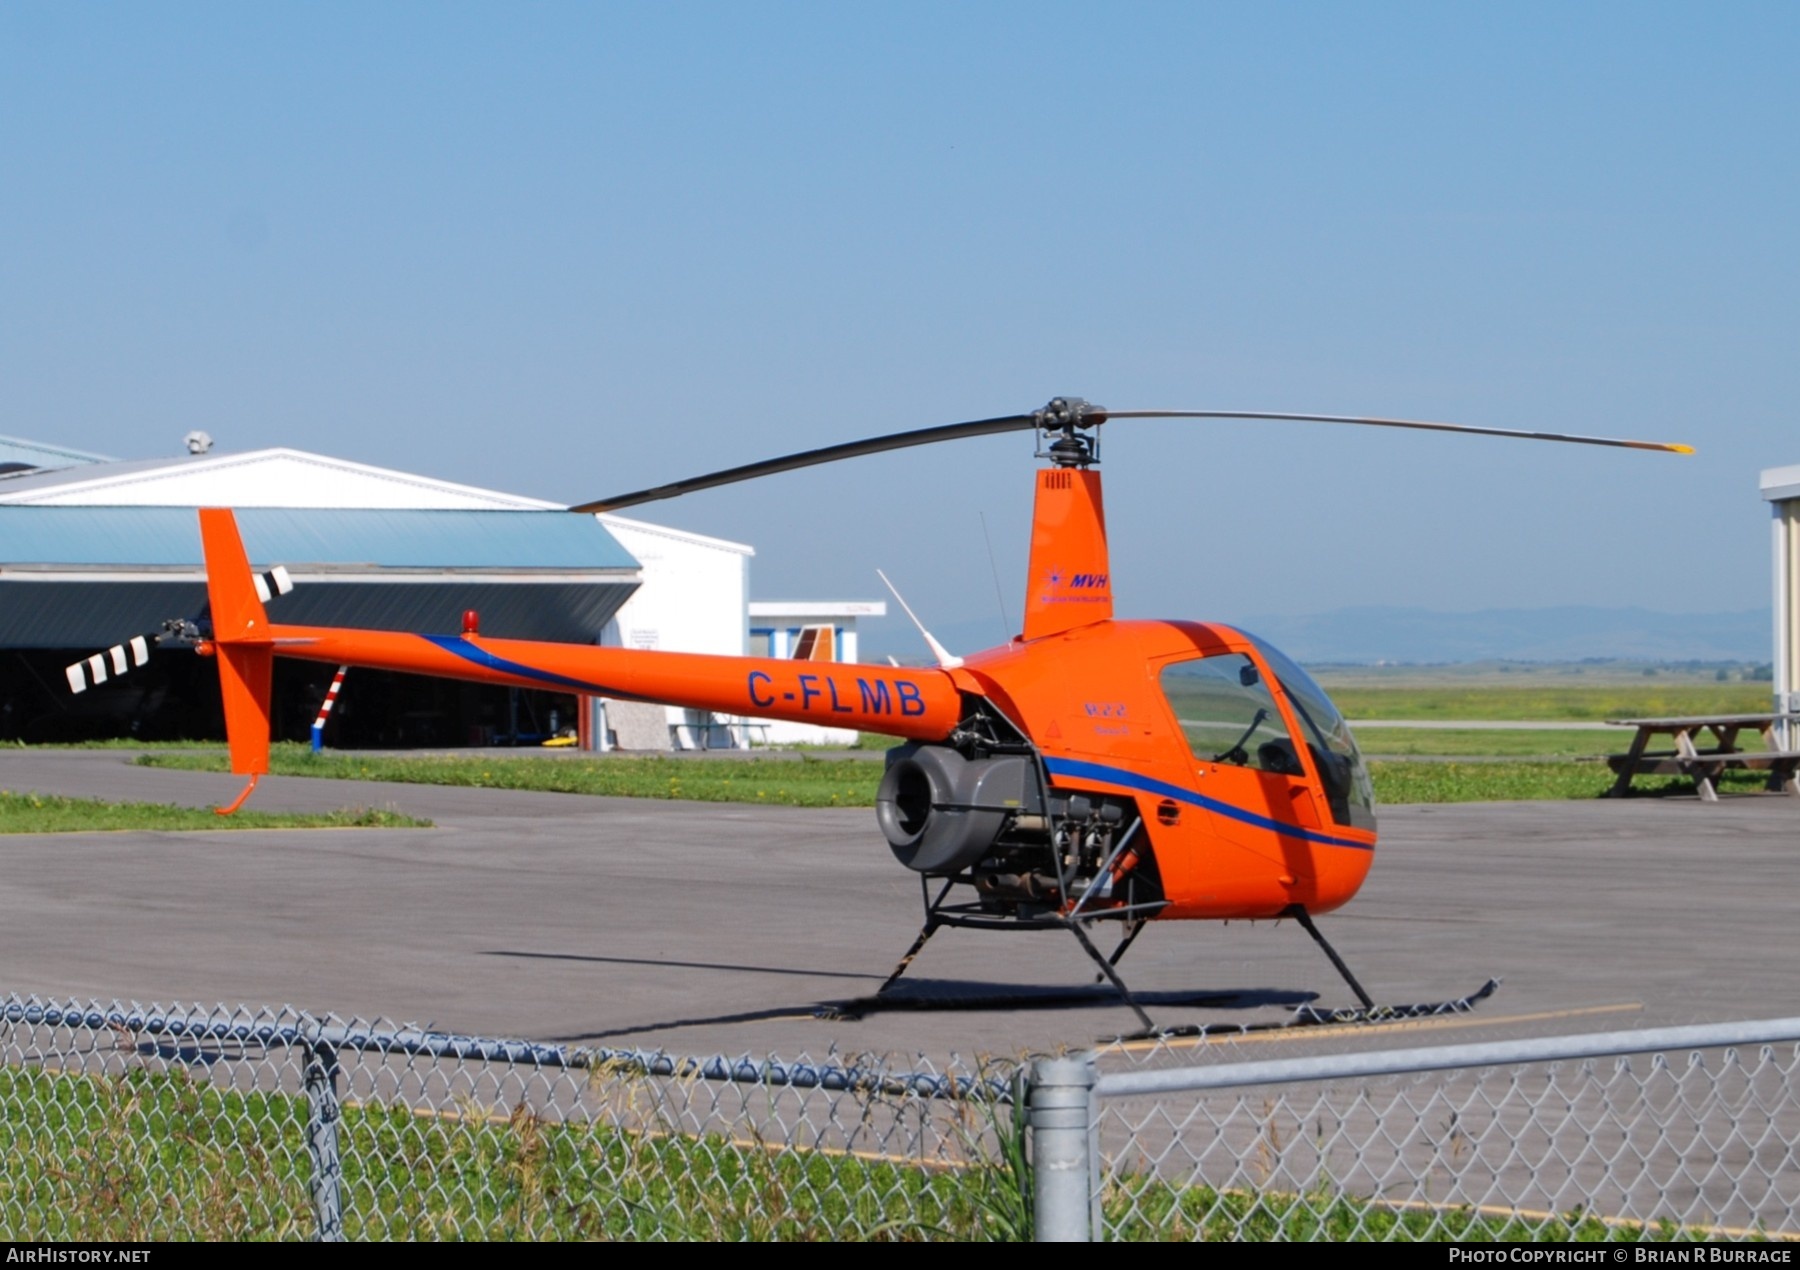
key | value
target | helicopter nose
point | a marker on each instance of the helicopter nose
(1336, 875)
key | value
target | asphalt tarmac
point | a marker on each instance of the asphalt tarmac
(718, 928)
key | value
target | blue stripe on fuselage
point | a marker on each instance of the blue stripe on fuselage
(1131, 780)
(481, 657)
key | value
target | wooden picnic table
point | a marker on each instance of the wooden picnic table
(1695, 755)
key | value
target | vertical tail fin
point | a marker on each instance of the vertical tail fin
(1069, 582)
(241, 643)
(237, 611)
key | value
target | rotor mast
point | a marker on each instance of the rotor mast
(1068, 583)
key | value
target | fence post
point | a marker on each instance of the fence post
(325, 1184)
(1059, 1099)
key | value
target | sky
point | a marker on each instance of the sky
(573, 250)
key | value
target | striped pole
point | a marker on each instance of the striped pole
(331, 694)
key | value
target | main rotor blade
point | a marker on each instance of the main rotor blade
(807, 458)
(1094, 416)
(1421, 425)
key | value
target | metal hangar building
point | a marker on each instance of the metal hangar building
(95, 551)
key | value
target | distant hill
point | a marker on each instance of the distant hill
(1369, 635)
(1375, 634)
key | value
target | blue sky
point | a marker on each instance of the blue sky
(574, 249)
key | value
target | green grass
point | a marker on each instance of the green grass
(162, 1156)
(52, 813)
(1490, 742)
(802, 781)
(1548, 703)
(116, 743)
(1402, 782)
(1514, 674)
(820, 782)
(1453, 782)
(864, 742)
(156, 1156)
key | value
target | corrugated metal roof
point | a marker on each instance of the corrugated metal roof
(56, 474)
(92, 615)
(276, 477)
(38, 454)
(169, 537)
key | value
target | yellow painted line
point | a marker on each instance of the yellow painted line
(1435, 1023)
(931, 1164)
(1617, 1223)
(1505, 1213)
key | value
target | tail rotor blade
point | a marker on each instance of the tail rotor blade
(271, 583)
(109, 663)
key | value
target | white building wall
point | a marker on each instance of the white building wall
(1781, 487)
(695, 589)
(783, 620)
(692, 600)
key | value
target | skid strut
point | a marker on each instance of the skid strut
(937, 917)
(883, 999)
(1299, 914)
(1106, 968)
(925, 932)
(1132, 931)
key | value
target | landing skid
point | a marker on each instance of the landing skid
(937, 916)
(1312, 1016)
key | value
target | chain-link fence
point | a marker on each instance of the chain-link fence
(1669, 1133)
(127, 1123)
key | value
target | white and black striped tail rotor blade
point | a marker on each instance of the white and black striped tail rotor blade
(110, 663)
(272, 583)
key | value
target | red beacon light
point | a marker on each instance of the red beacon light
(471, 622)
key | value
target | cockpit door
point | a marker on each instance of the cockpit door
(1247, 770)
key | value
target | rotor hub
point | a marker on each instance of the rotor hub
(1063, 424)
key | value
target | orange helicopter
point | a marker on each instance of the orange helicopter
(1092, 770)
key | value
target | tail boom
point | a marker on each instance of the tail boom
(922, 704)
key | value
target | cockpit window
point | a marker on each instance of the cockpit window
(1229, 715)
(1341, 768)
